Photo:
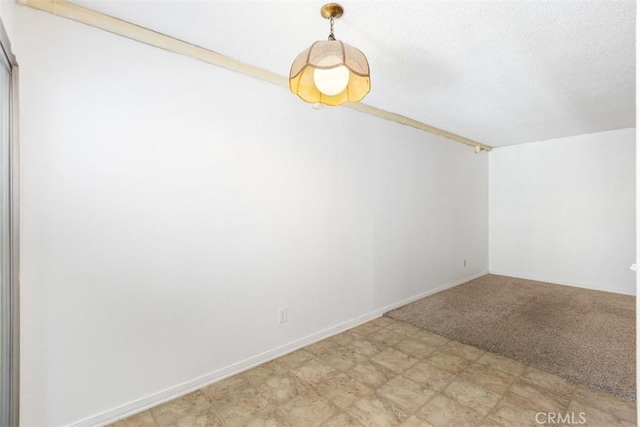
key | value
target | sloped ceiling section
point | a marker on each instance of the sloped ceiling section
(499, 72)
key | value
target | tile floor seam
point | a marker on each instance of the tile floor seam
(402, 374)
(573, 395)
(511, 385)
(513, 381)
(440, 367)
(439, 393)
(503, 397)
(414, 413)
(341, 413)
(201, 390)
(153, 417)
(605, 411)
(331, 402)
(211, 408)
(486, 417)
(540, 388)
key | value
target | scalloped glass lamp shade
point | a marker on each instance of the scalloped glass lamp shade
(330, 72)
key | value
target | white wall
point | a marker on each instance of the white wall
(430, 215)
(563, 211)
(7, 15)
(170, 207)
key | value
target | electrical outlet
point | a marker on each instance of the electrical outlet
(283, 315)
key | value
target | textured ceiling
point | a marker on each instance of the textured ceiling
(498, 72)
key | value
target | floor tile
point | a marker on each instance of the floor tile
(343, 390)
(448, 362)
(405, 394)
(383, 321)
(624, 409)
(342, 420)
(367, 348)
(281, 388)
(444, 411)
(203, 419)
(394, 360)
(346, 337)
(371, 374)
(415, 348)
(240, 407)
(295, 359)
(309, 409)
(536, 397)
(367, 328)
(414, 421)
(487, 377)
(548, 381)
(472, 395)
(386, 336)
(225, 387)
(431, 338)
(260, 374)
(314, 371)
(343, 358)
(509, 413)
(503, 364)
(595, 417)
(486, 422)
(143, 419)
(430, 376)
(461, 350)
(322, 347)
(190, 406)
(404, 328)
(270, 419)
(376, 412)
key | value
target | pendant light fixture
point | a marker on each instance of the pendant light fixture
(330, 72)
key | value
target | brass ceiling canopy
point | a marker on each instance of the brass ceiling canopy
(330, 72)
(331, 10)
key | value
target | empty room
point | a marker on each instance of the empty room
(299, 213)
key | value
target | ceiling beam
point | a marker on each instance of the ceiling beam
(135, 32)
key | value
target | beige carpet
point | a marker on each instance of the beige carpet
(582, 335)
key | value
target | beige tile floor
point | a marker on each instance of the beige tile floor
(388, 373)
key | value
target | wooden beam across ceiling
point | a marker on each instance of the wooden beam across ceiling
(135, 32)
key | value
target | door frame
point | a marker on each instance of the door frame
(13, 317)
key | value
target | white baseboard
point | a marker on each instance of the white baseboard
(174, 392)
(560, 282)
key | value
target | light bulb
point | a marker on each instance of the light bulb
(331, 81)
